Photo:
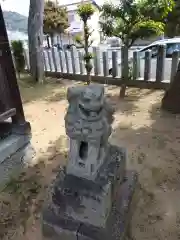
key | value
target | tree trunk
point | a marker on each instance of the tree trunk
(171, 99)
(35, 37)
(88, 65)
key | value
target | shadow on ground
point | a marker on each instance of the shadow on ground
(51, 90)
(130, 103)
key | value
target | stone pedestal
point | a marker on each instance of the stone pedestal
(90, 199)
(91, 210)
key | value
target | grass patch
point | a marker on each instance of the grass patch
(22, 198)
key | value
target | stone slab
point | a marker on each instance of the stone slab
(15, 153)
(12, 144)
(55, 228)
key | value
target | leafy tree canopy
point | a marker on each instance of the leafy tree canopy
(55, 18)
(172, 23)
(85, 11)
(133, 19)
(18, 53)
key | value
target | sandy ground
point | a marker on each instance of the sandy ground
(152, 139)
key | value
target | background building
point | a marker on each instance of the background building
(76, 25)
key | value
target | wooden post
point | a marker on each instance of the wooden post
(73, 61)
(60, 61)
(54, 50)
(114, 64)
(80, 62)
(8, 69)
(96, 61)
(45, 64)
(147, 67)
(160, 63)
(174, 64)
(136, 65)
(66, 60)
(105, 64)
(49, 60)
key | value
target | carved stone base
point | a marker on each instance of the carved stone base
(87, 210)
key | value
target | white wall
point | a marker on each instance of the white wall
(77, 23)
(94, 24)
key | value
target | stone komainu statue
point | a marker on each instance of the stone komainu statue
(90, 198)
(88, 125)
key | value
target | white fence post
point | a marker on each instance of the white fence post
(80, 56)
(174, 64)
(66, 60)
(136, 65)
(147, 66)
(54, 51)
(114, 64)
(73, 61)
(60, 60)
(49, 60)
(96, 61)
(25, 58)
(160, 63)
(124, 64)
(105, 64)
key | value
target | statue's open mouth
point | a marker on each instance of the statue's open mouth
(89, 112)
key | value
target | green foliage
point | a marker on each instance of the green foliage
(55, 18)
(79, 40)
(85, 11)
(146, 29)
(156, 10)
(135, 19)
(88, 57)
(172, 23)
(18, 53)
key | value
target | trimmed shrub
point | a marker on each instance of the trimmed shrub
(18, 54)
